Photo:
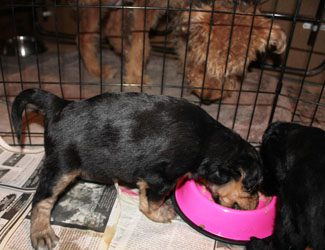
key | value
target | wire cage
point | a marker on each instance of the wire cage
(78, 49)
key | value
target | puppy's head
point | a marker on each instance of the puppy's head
(273, 154)
(233, 175)
(233, 194)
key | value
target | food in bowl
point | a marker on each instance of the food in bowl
(195, 205)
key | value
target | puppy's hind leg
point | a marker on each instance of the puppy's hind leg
(152, 205)
(53, 181)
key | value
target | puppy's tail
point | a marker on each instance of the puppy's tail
(48, 103)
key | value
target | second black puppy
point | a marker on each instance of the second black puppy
(148, 141)
(294, 170)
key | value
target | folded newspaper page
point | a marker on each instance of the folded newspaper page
(18, 181)
(88, 216)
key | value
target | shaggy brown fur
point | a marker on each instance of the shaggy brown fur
(218, 72)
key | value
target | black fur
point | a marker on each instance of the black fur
(133, 136)
(294, 169)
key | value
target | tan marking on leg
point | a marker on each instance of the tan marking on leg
(143, 201)
(42, 234)
(156, 211)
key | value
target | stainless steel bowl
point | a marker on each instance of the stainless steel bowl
(23, 45)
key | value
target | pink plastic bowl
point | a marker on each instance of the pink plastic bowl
(196, 206)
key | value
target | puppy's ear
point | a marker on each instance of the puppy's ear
(252, 179)
(276, 132)
(220, 176)
(202, 170)
(215, 172)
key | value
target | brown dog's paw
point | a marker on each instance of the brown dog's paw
(135, 79)
(106, 71)
(45, 239)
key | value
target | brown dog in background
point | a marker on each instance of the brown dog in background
(227, 28)
(229, 34)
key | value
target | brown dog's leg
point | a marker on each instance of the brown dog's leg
(89, 40)
(42, 235)
(155, 210)
(115, 32)
(137, 58)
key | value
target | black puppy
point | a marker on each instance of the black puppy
(294, 170)
(148, 141)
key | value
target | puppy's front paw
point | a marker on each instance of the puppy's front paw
(44, 239)
(166, 213)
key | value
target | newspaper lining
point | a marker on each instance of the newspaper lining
(135, 231)
(17, 186)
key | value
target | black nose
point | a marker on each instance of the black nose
(216, 199)
(236, 206)
(207, 101)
